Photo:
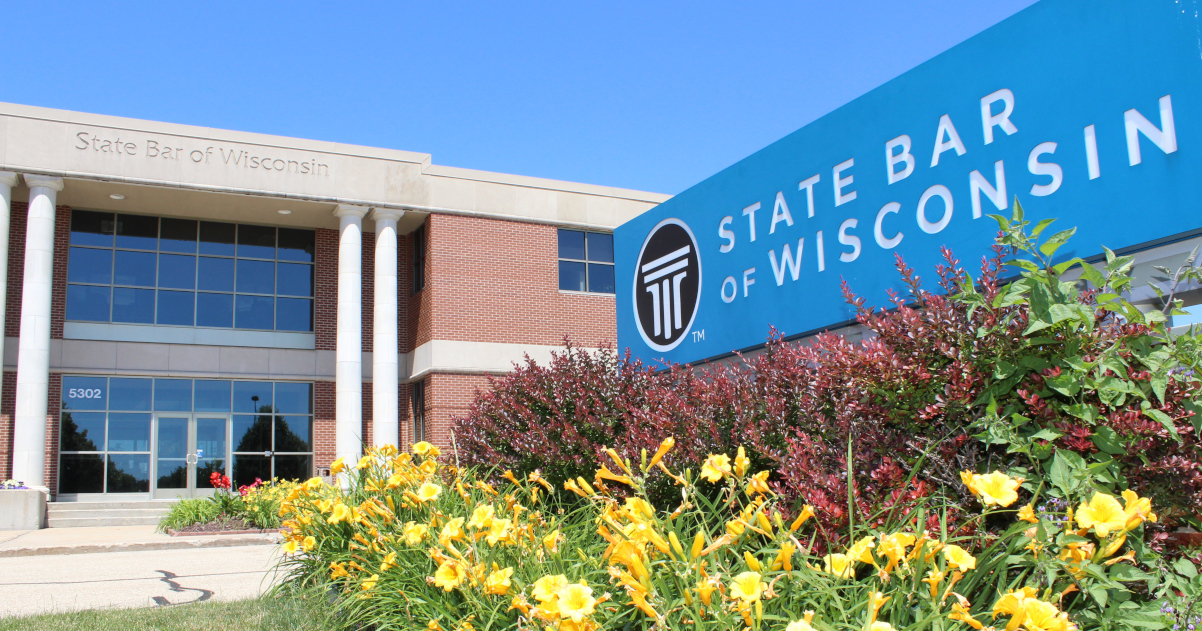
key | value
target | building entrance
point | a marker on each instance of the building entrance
(189, 449)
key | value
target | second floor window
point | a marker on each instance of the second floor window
(586, 261)
(137, 269)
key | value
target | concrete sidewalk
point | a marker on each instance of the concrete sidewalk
(19, 543)
(151, 578)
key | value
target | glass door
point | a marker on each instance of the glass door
(188, 450)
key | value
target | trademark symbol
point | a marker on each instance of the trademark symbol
(698, 335)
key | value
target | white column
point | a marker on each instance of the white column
(348, 353)
(385, 374)
(33, 349)
(8, 180)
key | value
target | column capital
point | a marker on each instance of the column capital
(44, 181)
(348, 210)
(8, 178)
(386, 214)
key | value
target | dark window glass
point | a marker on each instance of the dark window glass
(84, 393)
(571, 244)
(129, 431)
(293, 314)
(256, 241)
(572, 276)
(137, 232)
(249, 468)
(81, 474)
(206, 467)
(294, 398)
(177, 235)
(91, 228)
(419, 259)
(82, 431)
(177, 272)
(216, 274)
(173, 395)
(600, 278)
(212, 396)
(293, 467)
(600, 247)
(133, 305)
(129, 394)
(256, 277)
(294, 279)
(87, 302)
(215, 310)
(173, 474)
(210, 439)
(252, 397)
(128, 473)
(296, 245)
(88, 265)
(253, 312)
(172, 437)
(134, 268)
(217, 238)
(292, 433)
(175, 307)
(252, 433)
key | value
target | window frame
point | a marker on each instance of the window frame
(418, 403)
(158, 252)
(419, 258)
(586, 261)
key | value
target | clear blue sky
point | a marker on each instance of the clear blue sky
(647, 95)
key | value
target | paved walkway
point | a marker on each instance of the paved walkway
(14, 543)
(55, 583)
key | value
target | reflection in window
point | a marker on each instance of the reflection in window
(180, 272)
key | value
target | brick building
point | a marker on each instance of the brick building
(183, 300)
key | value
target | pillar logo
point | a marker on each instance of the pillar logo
(667, 284)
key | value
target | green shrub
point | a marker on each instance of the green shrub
(187, 512)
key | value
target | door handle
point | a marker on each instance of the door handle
(191, 459)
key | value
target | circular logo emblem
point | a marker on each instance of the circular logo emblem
(667, 285)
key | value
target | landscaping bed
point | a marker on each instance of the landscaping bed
(251, 509)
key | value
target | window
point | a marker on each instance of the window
(419, 411)
(586, 261)
(182, 272)
(419, 259)
(105, 437)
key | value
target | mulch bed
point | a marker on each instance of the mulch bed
(221, 527)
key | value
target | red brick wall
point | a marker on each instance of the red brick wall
(498, 281)
(58, 295)
(448, 396)
(52, 422)
(323, 423)
(420, 305)
(325, 289)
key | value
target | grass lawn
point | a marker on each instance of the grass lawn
(242, 615)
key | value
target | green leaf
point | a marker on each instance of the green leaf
(1126, 573)
(1108, 441)
(1023, 263)
(1039, 227)
(1161, 418)
(1091, 274)
(1046, 433)
(1185, 568)
(1054, 242)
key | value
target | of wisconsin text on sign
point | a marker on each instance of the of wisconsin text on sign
(1089, 111)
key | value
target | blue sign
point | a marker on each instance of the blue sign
(1085, 110)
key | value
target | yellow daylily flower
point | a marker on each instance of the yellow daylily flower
(958, 558)
(993, 489)
(1138, 510)
(389, 562)
(758, 484)
(861, 550)
(960, 613)
(747, 587)
(839, 565)
(481, 517)
(664, 448)
(784, 558)
(741, 463)
(290, 546)
(452, 531)
(371, 582)
(497, 583)
(341, 513)
(716, 467)
(500, 531)
(414, 533)
(576, 602)
(338, 571)
(706, 589)
(807, 512)
(934, 578)
(450, 575)
(881, 626)
(546, 589)
(876, 600)
(337, 466)
(308, 543)
(803, 624)
(1102, 513)
(428, 492)
(1027, 514)
(424, 448)
(551, 541)
(365, 462)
